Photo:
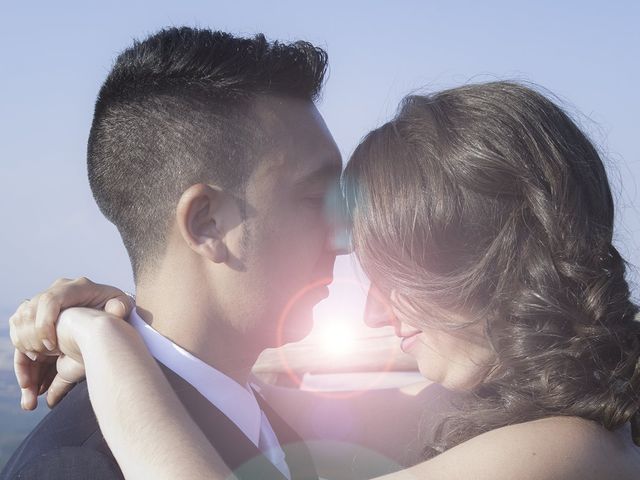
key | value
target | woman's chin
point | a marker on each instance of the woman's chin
(457, 379)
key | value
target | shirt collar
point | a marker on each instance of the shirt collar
(237, 402)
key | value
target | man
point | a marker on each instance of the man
(208, 155)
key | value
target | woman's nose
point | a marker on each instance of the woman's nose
(377, 312)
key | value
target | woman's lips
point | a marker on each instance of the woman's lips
(407, 342)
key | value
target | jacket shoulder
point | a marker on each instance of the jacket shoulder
(72, 423)
(69, 463)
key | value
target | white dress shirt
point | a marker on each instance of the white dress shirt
(237, 402)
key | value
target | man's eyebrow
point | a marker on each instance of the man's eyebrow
(325, 173)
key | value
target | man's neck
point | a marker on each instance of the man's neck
(181, 320)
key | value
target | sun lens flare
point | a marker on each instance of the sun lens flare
(339, 342)
(336, 337)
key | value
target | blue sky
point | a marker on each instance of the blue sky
(56, 54)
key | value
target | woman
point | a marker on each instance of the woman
(484, 219)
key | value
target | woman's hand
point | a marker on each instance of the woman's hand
(38, 364)
(144, 423)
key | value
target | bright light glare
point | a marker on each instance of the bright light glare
(336, 337)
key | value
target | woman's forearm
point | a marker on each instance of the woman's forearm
(147, 428)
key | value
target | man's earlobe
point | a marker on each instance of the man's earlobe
(197, 216)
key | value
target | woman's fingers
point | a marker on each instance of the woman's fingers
(33, 334)
(28, 376)
(13, 333)
(119, 306)
(20, 338)
(46, 314)
(57, 378)
(22, 328)
(47, 378)
(70, 372)
(35, 320)
(57, 390)
(22, 368)
(38, 377)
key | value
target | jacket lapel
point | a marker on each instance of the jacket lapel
(238, 452)
(296, 452)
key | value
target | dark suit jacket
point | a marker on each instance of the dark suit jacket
(68, 444)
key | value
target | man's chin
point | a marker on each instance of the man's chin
(295, 329)
(296, 336)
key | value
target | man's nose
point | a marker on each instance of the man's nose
(377, 311)
(339, 240)
(338, 235)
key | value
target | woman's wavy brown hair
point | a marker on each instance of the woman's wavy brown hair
(488, 199)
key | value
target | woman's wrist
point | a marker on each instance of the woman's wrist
(83, 331)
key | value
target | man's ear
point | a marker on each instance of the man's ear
(199, 217)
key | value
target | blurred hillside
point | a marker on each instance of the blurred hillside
(14, 422)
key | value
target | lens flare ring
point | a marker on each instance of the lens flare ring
(284, 317)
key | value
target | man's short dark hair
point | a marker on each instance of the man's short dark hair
(177, 109)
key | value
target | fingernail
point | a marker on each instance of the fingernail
(32, 355)
(115, 307)
(48, 345)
